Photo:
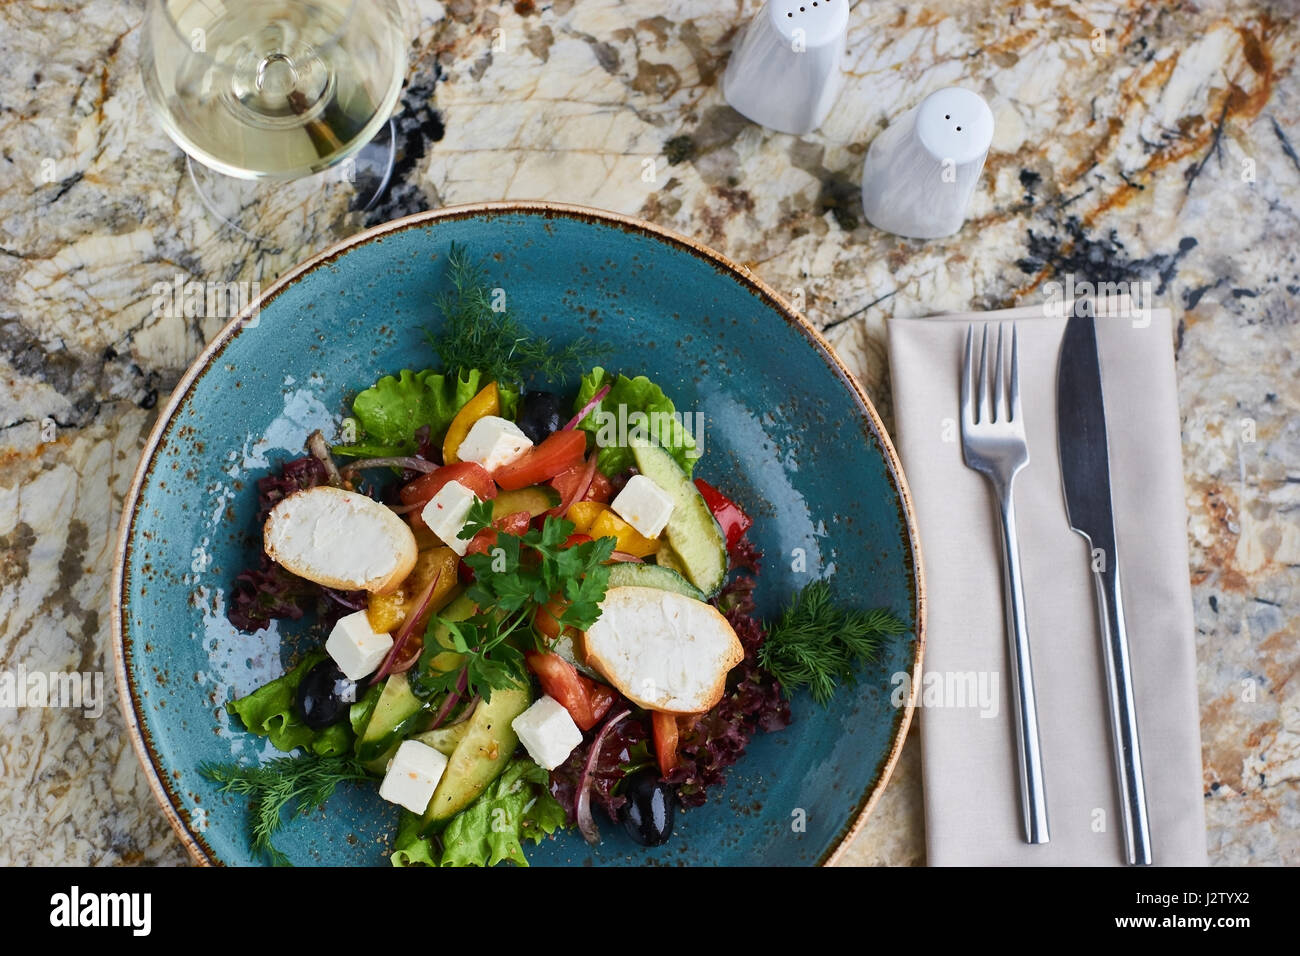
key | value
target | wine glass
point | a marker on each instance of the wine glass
(269, 97)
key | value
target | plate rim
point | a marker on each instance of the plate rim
(176, 815)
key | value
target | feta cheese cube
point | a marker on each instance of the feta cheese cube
(413, 775)
(446, 512)
(493, 442)
(644, 505)
(547, 732)
(357, 647)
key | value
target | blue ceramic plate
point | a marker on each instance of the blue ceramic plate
(788, 433)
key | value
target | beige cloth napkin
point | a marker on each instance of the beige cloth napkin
(971, 791)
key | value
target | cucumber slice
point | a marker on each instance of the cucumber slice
(395, 715)
(479, 758)
(399, 713)
(568, 648)
(631, 575)
(692, 531)
(535, 500)
(666, 557)
(445, 740)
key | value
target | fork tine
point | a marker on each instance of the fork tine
(967, 410)
(998, 393)
(1015, 375)
(983, 411)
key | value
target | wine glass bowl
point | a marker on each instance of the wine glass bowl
(273, 90)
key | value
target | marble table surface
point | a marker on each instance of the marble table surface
(1136, 140)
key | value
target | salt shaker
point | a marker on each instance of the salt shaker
(920, 172)
(784, 72)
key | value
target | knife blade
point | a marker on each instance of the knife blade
(1085, 476)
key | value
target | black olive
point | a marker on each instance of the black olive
(540, 415)
(324, 695)
(648, 815)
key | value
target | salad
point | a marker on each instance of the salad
(535, 614)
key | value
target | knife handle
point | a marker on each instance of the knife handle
(1123, 712)
(1033, 790)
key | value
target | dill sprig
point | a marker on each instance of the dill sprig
(480, 333)
(817, 644)
(307, 780)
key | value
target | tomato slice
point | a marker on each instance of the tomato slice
(665, 732)
(560, 450)
(572, 484)
(514, 523)
(567, 482)
(560, 680)
(600, 489)
(469, 473)
(464, 573)
(577, 538)
(421, 491)
(602, 697)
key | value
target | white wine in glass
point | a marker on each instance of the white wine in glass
(273, 89)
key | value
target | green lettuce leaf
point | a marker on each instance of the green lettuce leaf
(409, 848)
(269, 712)
(635, 395)
(334, 741)
(517, 807)
(390, 412)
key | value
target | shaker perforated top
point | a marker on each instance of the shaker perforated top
(955, 124)
(820, 20)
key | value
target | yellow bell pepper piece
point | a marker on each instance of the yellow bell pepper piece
(583, 513)
(610, 525)
(486, 402)
(387, 612)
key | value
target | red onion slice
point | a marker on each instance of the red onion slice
(467, 712)
(410, 463)
(449, 702)
(341, 598)
(408, 628)
(586, 409)
(586, 824)
(624, 557)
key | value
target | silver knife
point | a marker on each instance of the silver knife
(1085, 473)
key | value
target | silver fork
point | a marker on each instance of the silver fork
(993, 443)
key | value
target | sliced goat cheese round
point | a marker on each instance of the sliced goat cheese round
(340, 539)
(661, 650)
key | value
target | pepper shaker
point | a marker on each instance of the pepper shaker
(920, 172)
(785, 70)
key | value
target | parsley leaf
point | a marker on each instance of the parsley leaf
(478, 519)
(511, 582)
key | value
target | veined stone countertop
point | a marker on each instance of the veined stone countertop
(1135, 141)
